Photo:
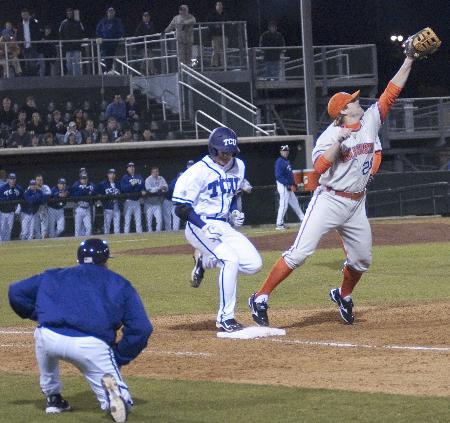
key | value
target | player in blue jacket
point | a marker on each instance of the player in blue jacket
(111, 210)
(56, 204)
(8, 192)
(83, 207)
(286, 188)
(33, 197)
(132, 183)
(78, 311)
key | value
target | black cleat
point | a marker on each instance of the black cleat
(230, 325)
(259, 311)
(345, 306)
(197, 272)
(57, 404)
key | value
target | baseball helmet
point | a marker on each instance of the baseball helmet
(93, 251)
(223, 139)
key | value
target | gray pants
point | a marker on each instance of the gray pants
(83, 221)
(132, 208)
(6, 225)
(56, 222)
(111, 215)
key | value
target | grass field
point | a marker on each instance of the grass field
(401, 275)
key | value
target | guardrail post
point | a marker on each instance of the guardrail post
(434, 200)
(6, 70)
(400, 202)
(61, 64)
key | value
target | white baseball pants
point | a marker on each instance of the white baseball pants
(41, 230)
(327, 211)
(132, 207)
(90, 355)
(28, 225)
(56, 222)
(287, 198)
(150, 211)
(167, 207)
(111, 215)
(175, 219)
(6, 225)
(233, 253)
(83, 221)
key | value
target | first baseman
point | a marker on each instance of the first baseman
(346, 155)
(78, 311)
(204, 194)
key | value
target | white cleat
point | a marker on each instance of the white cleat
(117, 406)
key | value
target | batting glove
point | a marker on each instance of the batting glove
(212, 232)
(237, 218)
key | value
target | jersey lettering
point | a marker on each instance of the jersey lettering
(227, 186)
(367, 166)
(358, 149)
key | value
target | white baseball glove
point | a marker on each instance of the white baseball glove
(212, 232)
(237, 218)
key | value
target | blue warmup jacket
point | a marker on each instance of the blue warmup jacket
(6, 194)
(85, 300)
(33, 199)
(78, 190)
(283, 171)
(132, 184)
(110, 28)
(105, 188)
(55, 201)
(171, 187)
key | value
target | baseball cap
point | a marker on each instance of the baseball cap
(83, 175)
(61, 181)
(12, 176)
(130, 164)
(32, 181)
(338, 102)
(284, 148)
(111, 9)
(146, 14)
(72, 124)
(111, 171)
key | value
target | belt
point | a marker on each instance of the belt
(222, 219)
(355, 196)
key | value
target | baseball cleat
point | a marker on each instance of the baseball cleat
(259, 311)
(230, 325)
(280, 228)
(345, 306)
(117, 406)
(197, 272)
(57, 404)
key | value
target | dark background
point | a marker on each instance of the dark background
(334, 22)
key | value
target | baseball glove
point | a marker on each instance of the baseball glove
(422, 44)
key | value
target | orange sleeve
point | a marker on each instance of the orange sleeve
(321, 165)
(387, 99)
(376, 162)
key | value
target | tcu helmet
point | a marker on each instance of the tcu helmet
(93, 251)
(223, 139)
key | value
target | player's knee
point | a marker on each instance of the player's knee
(295, 258)
(361, 264)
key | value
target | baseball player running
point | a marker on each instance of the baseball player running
(346, 154)
(133, 184)
(111, 210)
(83, 214)
(78, 311)
(9, 192)
(41, 222)
(156, 187)
(204, 194)
(286, 188)
(34, 198)
(56, 204)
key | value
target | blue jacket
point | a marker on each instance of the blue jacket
(130, 184)
(78, 190)
(105, 188)
(169, 194)
(6, 194)
(283, 171)
(117, 111)
(55, 201)
(85, 300)
(33, 199)
(110, 28)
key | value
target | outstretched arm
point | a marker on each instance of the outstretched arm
(402, 74)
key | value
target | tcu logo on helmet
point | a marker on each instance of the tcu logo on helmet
(229, 141)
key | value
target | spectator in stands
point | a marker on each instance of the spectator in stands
(104, 138)
(73, 130)
(88, 140)
(71, 139)
(132, 109)
(79, 119)
(48, 51)
(57, 127)
(109, 29)
(48, 140)
(21, 120)
(272, 38)
(30, 107)
(217, 36)
(145, 27)
(183, 24)
(35, 126)
(7, 114)
(117, 109)
(8, 32)
(127, 136)
(9, 35)
(28, 32)
(72, 29)
(19, 138)
(90, 131)
(112, 129)
(34, 141)
(147, 135)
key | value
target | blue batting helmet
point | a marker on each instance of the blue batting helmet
(93, 250)
(223, 139)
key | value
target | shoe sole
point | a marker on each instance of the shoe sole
(117, 405)
(196, 280)
(255, 318)
(57, 410)
(228, 330)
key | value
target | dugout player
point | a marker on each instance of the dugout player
(9, 192)
(78, 311)
(83, 189)
(111, 210)
(33, 199)
(204, 194)
(156, 187)
(133, 184)
(56, 204)
(346, 156)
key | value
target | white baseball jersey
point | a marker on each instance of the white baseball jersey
(351, 171)
(210, 188)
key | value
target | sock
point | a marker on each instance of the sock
(279, 272)
(351, 278)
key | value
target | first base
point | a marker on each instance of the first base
(252, 332)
